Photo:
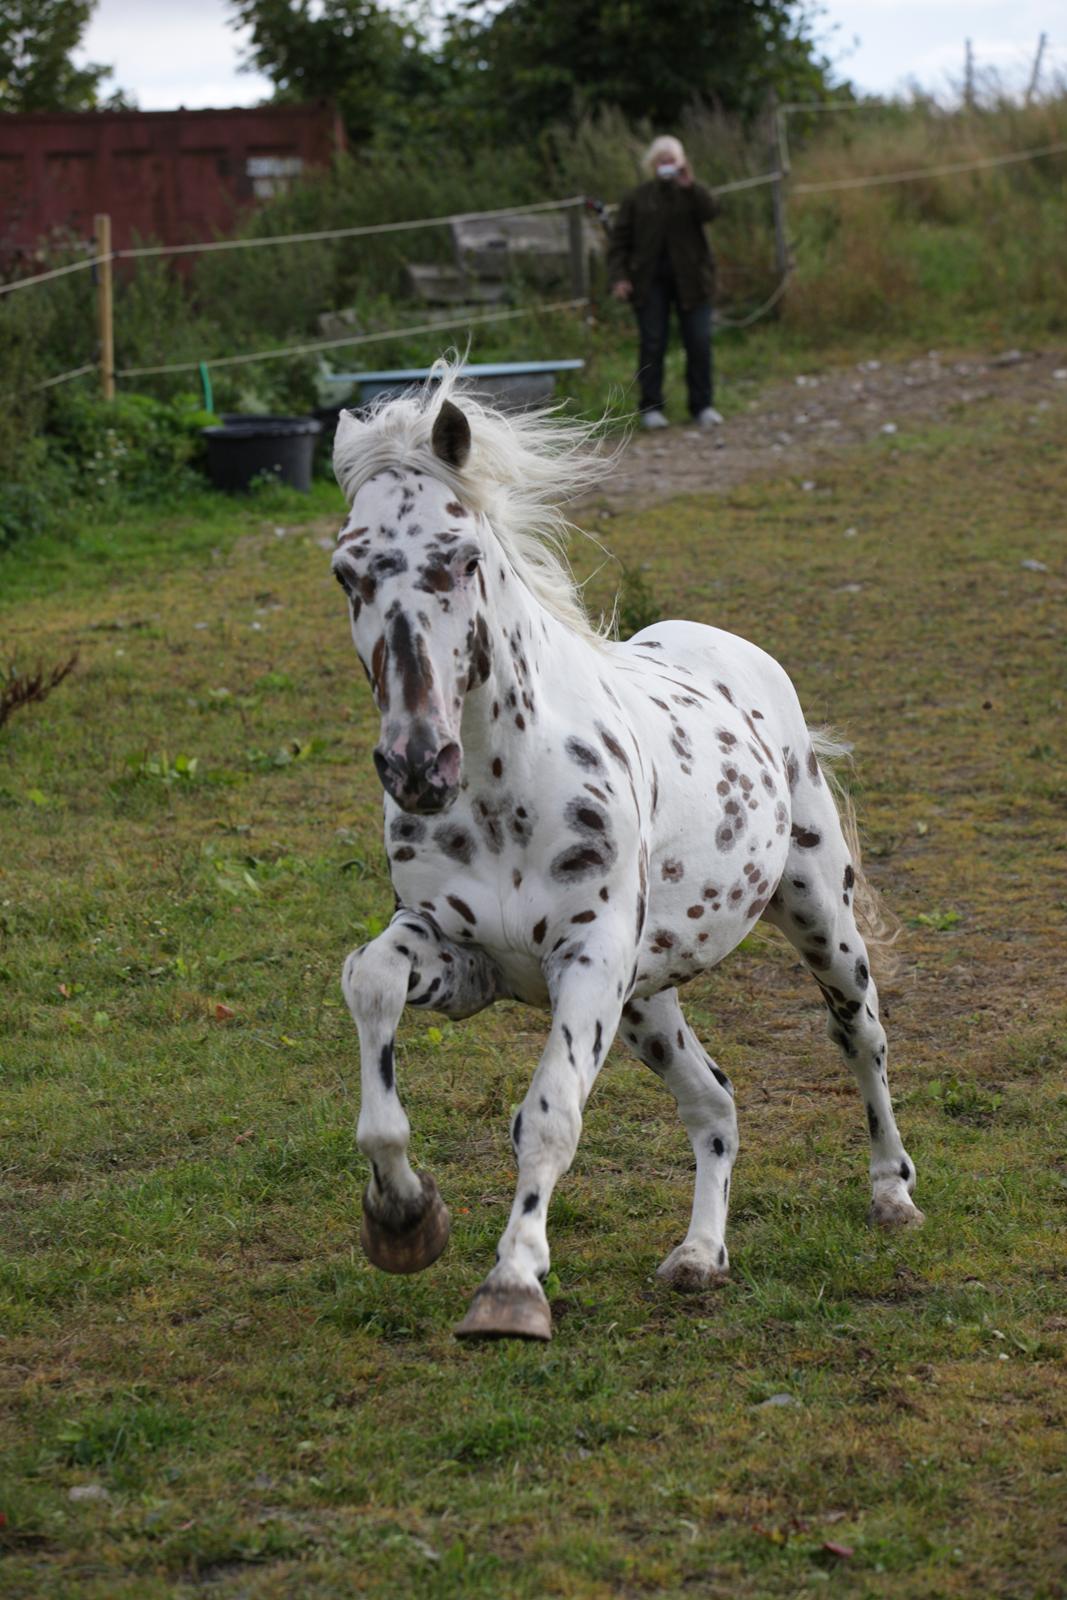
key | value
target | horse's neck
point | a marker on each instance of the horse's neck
(537, 665)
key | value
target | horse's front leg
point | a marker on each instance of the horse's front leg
(587, 993)
(405, 1222)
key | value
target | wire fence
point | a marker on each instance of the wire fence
(363, 232)
(947, 169)
(56, 272)
(761, 310)
(355, 339)
(778, 176)
(65, 377)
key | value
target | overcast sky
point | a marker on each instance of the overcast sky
(168, 54)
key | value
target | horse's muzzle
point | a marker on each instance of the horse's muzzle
(419, 782)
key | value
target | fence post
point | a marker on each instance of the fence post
(968, 76)
(779, 164)
(1036, 73)
(105, 305)
(579, 265)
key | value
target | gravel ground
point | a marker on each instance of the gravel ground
(799, 425)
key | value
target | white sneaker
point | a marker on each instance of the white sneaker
(708, 418)
(653, 419)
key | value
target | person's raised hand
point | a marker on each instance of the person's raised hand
(623, 289)
(684, 177)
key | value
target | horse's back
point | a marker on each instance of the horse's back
(739, 672)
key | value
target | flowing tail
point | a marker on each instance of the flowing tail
(880, 928)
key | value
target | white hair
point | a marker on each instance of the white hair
(665, 147)
(521, 469)
(880, 928)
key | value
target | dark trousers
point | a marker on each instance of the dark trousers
(653, 326)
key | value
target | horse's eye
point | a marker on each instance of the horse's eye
(472, 566)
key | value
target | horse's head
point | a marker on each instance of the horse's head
(409, 559)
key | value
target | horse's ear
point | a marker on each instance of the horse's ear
(349, 427)
(451, 437)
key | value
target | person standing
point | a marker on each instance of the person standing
(659, 257)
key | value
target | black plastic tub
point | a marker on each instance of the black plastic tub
(243, 448)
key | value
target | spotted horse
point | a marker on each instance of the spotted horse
(572, 822)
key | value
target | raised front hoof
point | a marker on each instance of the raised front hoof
(410, 1249)
(894, 1208)
(690, 1271)
(503, 1313)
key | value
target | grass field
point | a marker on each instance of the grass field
(189, 844)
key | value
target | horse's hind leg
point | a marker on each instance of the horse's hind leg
(658, 1033)
(405, 1222)
(813, 907)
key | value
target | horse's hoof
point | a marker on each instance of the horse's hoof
(407, 1249)
(894, 1209)
(689, 1271)
(502, 1313)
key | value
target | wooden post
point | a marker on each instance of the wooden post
(781, 136)
(1036, 73)
(968, 77)
(779, 163)
(781, 238)
(105, 305)
(579, 265)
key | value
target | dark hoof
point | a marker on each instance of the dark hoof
(408, 1249)
(507, 1314)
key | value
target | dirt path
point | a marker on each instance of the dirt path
(799, 425)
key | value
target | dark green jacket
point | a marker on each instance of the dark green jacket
(658, 213)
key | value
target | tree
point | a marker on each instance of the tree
(540, 60)
(36, 41)
(353, 52)
(489, 72)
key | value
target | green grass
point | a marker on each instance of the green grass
(191, 823)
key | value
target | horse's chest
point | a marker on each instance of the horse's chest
(478, 844)
(475, 913)
(470, 871)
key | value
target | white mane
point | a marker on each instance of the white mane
(521, 469)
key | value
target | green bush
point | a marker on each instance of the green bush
(30, 497)
(135, 447)
(99, 454)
